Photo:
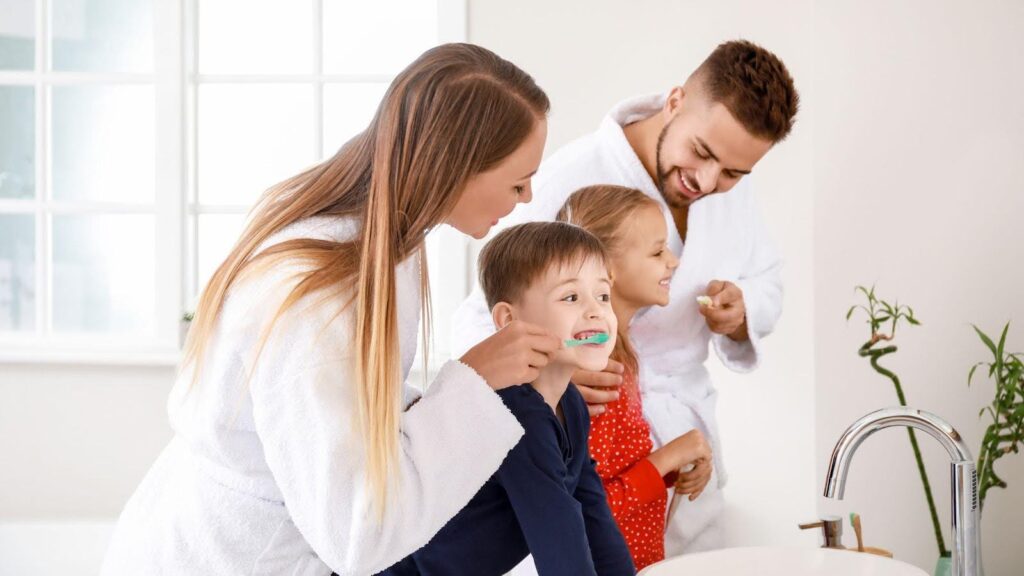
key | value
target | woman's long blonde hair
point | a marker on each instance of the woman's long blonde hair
(603, 210)
(456, 111)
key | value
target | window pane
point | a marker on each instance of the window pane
(103, 273)
(380, 37)
(17, 34)
(17, 272)
(245, 37)
(217, 235)
(17, 142)
(251, 136)
(348, 109)
(103, 35)
(103, 143)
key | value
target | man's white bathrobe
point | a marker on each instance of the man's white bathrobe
(266, 477)
(725, 241)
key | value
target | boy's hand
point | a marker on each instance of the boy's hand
(599, 388)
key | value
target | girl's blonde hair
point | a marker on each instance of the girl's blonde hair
(457, 111)
(603, 211)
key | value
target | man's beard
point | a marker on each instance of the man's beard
(671, 199)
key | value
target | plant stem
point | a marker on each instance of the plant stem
(875, 354)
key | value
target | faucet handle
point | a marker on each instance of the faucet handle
(831, 531)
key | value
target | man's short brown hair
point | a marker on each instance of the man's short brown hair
(519, 255)
(754, 85)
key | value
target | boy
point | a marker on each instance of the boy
(546, 498)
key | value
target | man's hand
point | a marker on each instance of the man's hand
(599, 388)
(726, 314)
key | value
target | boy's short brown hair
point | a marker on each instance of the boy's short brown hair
(519, 255)
(754, 85)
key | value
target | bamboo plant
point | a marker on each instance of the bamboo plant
(881, 316)
(1005, 434)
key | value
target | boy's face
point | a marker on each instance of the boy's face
(572, 302)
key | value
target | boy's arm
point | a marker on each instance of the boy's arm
(607, 546)
(534, 476)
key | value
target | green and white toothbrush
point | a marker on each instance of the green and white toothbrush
(599, 338)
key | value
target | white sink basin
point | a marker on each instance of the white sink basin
(769, 561)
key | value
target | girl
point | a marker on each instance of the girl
(632, 227)
(297, 450)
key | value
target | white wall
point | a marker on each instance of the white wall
(76, 440)
(919, 156)
(590, 54)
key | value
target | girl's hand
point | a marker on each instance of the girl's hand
(513, 355)
(690, 448)
(694, 481)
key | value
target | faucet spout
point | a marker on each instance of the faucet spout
(963, 476)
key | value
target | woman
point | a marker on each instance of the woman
(297, 449)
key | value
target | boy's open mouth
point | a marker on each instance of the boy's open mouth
(586, 334)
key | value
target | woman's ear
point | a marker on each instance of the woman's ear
(502, 314)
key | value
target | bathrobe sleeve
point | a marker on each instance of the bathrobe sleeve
(760, 279)
(305, 412)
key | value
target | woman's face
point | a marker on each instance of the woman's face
(490, 196)
(643, 265)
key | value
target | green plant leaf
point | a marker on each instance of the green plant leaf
(986, 340)
(1002, 343)
(970, 374)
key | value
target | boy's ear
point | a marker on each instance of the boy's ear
(502, 314)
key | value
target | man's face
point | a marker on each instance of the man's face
(573, 302)
(702, 150)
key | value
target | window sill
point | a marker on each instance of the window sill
(145, 358)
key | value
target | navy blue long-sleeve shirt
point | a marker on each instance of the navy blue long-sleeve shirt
(546, 499)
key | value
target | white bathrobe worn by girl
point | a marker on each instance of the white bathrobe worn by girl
(265, 475)
(726, 240)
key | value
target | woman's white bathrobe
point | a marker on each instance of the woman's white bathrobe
(267, 478)
(726, 240)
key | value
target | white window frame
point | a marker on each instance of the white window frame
(175, 81)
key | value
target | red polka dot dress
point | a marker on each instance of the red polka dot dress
(620, 441)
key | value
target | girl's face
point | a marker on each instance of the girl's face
(643, 266)
(490, 196)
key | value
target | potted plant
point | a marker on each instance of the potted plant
(882, 316)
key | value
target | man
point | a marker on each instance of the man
(689, 149)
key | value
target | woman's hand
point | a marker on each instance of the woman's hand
(513, 355)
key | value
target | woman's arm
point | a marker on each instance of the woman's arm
(304, 405)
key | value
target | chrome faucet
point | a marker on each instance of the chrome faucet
(963, 478)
